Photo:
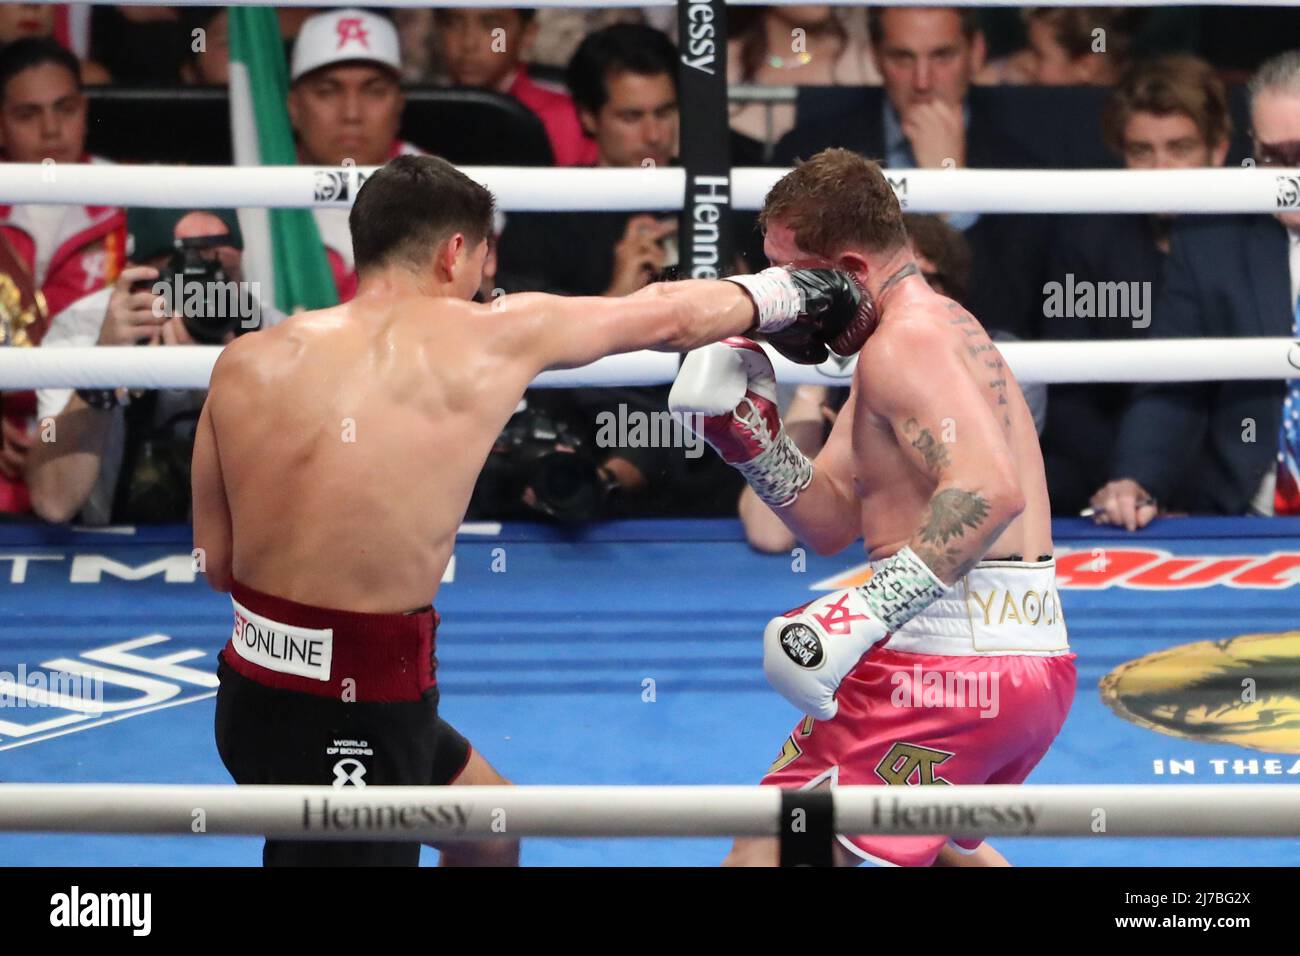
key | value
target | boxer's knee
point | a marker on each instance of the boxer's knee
(499, 851)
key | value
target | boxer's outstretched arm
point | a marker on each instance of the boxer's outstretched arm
(914, 380)
(565, 332)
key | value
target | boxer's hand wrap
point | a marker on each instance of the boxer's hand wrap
(727, 393)
(778, 299)
(809, 651)
(901, 587)
(803, 311)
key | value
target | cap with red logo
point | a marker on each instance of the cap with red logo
(341, 36)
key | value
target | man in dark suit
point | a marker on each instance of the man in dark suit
(931, 118)
(1170, 112)
(1215, 446)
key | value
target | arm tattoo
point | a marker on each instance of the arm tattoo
(934, 452)
(952, 511)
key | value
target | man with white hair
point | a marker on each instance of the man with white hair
(1223, 447)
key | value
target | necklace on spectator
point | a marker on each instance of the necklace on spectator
(780, 63)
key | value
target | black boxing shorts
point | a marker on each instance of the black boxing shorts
(338, 698)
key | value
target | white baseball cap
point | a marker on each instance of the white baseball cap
(340, 36)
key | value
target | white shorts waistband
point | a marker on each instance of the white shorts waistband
(1000, 607)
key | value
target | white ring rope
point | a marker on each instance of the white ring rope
(442, 813)
(520, 189)
(1156, 360)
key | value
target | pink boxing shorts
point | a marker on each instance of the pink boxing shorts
(972, 691)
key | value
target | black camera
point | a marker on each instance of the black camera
(210, 304)
(541, 466)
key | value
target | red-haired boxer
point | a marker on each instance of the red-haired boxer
(333, 463)
(951, 663)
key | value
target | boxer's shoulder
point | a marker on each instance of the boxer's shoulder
(236, 357)
(267, 354)
(904, 342)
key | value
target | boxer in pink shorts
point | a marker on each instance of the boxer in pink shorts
(951, 664)
(973, 690)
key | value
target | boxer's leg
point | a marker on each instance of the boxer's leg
(766, 851)
(459, 765)
(983, 855)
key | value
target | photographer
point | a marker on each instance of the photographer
(116, 457)
(561, 458)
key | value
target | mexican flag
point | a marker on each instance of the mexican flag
(282, 247)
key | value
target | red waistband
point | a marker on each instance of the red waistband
(374, 657)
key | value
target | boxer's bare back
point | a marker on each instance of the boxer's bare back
(337, 451)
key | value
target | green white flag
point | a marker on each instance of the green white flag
(282, 247)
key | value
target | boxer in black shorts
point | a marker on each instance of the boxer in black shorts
(336, 454)
(381, 729)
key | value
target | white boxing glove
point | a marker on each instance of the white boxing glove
(809, 651)
(727, 391)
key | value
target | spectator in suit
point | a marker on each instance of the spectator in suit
(1222, 447)
(485, 48)
(930, 118)
(1170, 112)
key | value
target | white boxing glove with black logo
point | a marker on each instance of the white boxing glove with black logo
(809, 651)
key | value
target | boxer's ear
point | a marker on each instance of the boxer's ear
(853, 263)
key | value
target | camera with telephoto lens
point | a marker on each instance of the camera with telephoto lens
(187, 276)
(540, 465)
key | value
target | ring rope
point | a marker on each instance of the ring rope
(520, 189)
(441, 813)
(1124, 361)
